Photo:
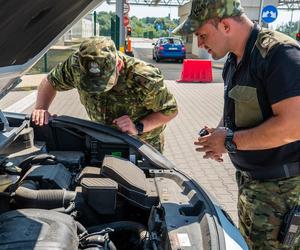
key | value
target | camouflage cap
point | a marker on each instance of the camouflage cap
(98, 60)
(203, 10)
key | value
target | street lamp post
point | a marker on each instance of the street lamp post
(260, 11)
(95, 23)
(121, 31)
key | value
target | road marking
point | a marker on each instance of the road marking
(142, 45)
(23, 104)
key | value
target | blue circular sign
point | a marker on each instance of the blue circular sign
(269, 14)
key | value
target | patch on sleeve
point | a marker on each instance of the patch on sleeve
(268, 39)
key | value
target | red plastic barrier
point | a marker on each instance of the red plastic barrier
(195, 70)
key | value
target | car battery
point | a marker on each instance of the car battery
(100, 194)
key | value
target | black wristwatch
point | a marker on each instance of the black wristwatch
(229, 143)
(139, 127)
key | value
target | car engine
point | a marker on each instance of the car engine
(74, 184)
(66, 200)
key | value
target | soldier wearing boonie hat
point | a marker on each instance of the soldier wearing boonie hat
(98, 61)
(115, 90)
(259, 128)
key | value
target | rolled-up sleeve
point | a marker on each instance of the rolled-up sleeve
(62, 77)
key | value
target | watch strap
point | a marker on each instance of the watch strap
(229, 143)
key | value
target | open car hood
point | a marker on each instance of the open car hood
(105, 179)
(28, 29)
(88, 183)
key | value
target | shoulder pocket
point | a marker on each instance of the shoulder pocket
(247, 109)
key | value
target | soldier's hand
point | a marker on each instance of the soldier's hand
(40, 116)
(214, 156)
(126, 125)
(213, 142)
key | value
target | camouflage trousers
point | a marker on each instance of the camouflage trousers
(261, 209)
(158, 142)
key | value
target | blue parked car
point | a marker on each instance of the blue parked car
(169, 48)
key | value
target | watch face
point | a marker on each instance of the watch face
(139, 127)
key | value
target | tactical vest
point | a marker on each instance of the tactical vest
(247, 102)
(245, 96)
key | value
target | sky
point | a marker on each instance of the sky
(144, 11)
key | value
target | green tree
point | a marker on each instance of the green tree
(290, 29)
(139, 25)
(103, 19)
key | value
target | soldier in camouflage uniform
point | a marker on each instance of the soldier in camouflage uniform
(115, 90)
(261, 119)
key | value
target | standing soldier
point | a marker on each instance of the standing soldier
(115, 90)
(260, 127)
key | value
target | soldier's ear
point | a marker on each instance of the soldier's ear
(119, 64)
(225, 25)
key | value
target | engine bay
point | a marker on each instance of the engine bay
(67, 186)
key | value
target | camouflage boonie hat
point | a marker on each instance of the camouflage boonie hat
(98, 60)
(203, 10)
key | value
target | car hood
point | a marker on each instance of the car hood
(28, 30)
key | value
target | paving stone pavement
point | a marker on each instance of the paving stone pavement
(199, 105)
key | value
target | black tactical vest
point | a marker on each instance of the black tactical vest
(246, 101)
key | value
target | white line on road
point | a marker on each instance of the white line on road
(143, 45)
(23, 104)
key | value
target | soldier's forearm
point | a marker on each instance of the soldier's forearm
(155, 120)
(45, 96)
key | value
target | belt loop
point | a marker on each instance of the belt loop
(248, 175)
(286, 171)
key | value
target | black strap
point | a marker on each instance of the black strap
(284, 171)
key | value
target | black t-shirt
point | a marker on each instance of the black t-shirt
(266, 75)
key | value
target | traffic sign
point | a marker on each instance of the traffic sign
(269, 14)
(126, 8)
(126, 20)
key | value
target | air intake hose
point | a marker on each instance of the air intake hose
(27, 195)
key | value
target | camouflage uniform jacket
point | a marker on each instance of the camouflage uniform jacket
(140, 90)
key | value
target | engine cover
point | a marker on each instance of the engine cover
(37, 229)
